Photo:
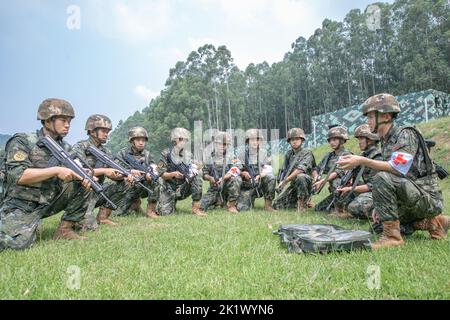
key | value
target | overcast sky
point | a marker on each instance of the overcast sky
(117, 55)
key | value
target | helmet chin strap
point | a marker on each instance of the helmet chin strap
(377, 123)
(52, 129)
(100, 141)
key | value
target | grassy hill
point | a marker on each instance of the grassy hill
(225, 256)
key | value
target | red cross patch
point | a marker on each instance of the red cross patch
(399, 159)
(401, 162)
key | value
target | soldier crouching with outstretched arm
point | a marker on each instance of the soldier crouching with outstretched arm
(33, 189)
(405, 190)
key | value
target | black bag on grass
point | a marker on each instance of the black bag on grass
(322, 238)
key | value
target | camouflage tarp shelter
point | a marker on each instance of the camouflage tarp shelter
(416, 107)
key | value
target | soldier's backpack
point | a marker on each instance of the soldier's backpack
(322, 238)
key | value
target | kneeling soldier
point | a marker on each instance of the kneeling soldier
(337, 137)
(222, 170)
(179, 175)
(138, 137)
(362, 205)
(98, 128)
(297, 168)
(257, 173)
(405, 190)
(33, 190)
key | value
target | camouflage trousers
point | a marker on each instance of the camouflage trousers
(230, 192)
(339, 202)
(397, 198)
(266, 189)
(84, 203)
(19, 219)
(361, 206)
(300, 188)
(169, 195)
(124, 204)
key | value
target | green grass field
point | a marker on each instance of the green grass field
(225, 256)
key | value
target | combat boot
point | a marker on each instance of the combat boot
(196, 210)
(103, 215)
(232, 207)
(390, 237)
(268, 205)
(436, 226)
(341, 213)
(301, 205)
(65, 231)
(151, 210)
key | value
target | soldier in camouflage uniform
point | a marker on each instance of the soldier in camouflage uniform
(362, 205)
(337, 137)
(33, 190)
(255, 157)
(174, 186)
(405, 190)
(98, 128)
(298, 166)
(138, 137)
(227, 169)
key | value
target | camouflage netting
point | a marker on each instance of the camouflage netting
(416, 107)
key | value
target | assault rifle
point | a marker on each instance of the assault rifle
(104, 160)
(213, 173)
(63, 158)
(181, 167)
(251, 171)
(140, 166)
(441, 172)
(351, 176)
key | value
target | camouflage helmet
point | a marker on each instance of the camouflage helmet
(296, 133)
(54, 107)
(180, 133)
(222, 137)
(338, 132)
(137, 132)
(253, 134)
(98, 121)
(383, 103)
(364, 131)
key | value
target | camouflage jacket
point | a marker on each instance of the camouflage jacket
(369, 173)
(304, 160)
(218, 160)
(22, 153)
(143, 156)
(258, 159)
(80, 149)
(163, 164)
(334, 157)
(400, 139)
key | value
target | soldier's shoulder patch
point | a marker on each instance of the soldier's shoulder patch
(20, 156)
